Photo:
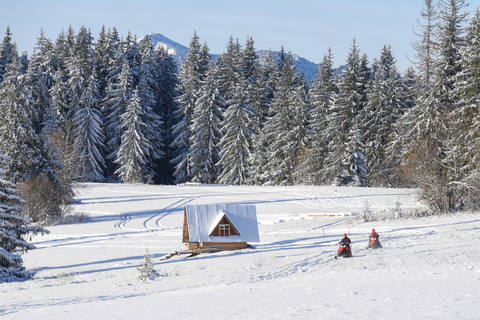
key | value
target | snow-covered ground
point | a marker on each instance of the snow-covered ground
(429, 267)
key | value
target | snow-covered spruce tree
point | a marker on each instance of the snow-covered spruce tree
(257, 97)
(76, 85)
(236, 143)
(106, 47)
(266, 79)
(153, 122)
(40, 79)
(118, 93)
(166, 94)
(255, 81)
(321, 92)
(230, 69)
(15, 230)
(382, 111)
(61, 129)
(191, 74)
(425, 46)
(18, 138)
(7, 53)
(147, 271)
(132, 56)
(285, 128)
(249, 60)
(76, 78)
(132, 154)
(355, 170)
(271, 73)
(89, 136)
(399, 142)
(466, 117)
(206, 124)
(345, 111)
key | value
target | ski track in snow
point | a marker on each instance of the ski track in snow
(122, 224)
(153, 222)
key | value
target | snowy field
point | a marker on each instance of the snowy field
(429, 267)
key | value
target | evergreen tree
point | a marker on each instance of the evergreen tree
(40, 79)
(132, 56)
(190, 77)
(206, 134)
(425, 47)
(60, 52)
(18, 138)
(61, 128)
(236, 143)
(89, 136)
(261, 97)
(166, 94)
(271, 72)
(230, 69)
(7, 53)
(321, 100)
(14, 230)
(382, 112)
(76, 84)
(285, 128)
(345, 119)
(105, 49)
(132, 154)
(466, 117)
(83, 49)
(254, 79)
(355, 170)
(153, 122)
(118, 95)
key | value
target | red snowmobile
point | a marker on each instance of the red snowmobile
(344, 251)
(373, 243)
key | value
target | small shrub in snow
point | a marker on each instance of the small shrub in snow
(397, 212)
(73, 218)
(366, 214)
(146, 271)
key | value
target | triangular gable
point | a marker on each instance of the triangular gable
(223, 227)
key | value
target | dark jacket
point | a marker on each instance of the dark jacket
(345, 241)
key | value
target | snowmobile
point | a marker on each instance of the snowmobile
(374, 243)
(343, 251)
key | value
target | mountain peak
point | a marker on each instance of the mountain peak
(307, 68)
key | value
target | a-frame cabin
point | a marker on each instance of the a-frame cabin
(219, 226)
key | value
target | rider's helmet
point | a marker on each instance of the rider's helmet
(344, 235)
(373, 230)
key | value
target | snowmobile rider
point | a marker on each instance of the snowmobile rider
(346, 242)
(374, 235)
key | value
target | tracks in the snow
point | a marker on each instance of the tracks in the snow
(154, 221)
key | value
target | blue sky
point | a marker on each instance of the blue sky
(305, 27)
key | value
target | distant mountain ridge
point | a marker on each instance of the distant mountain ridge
(307, 68)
